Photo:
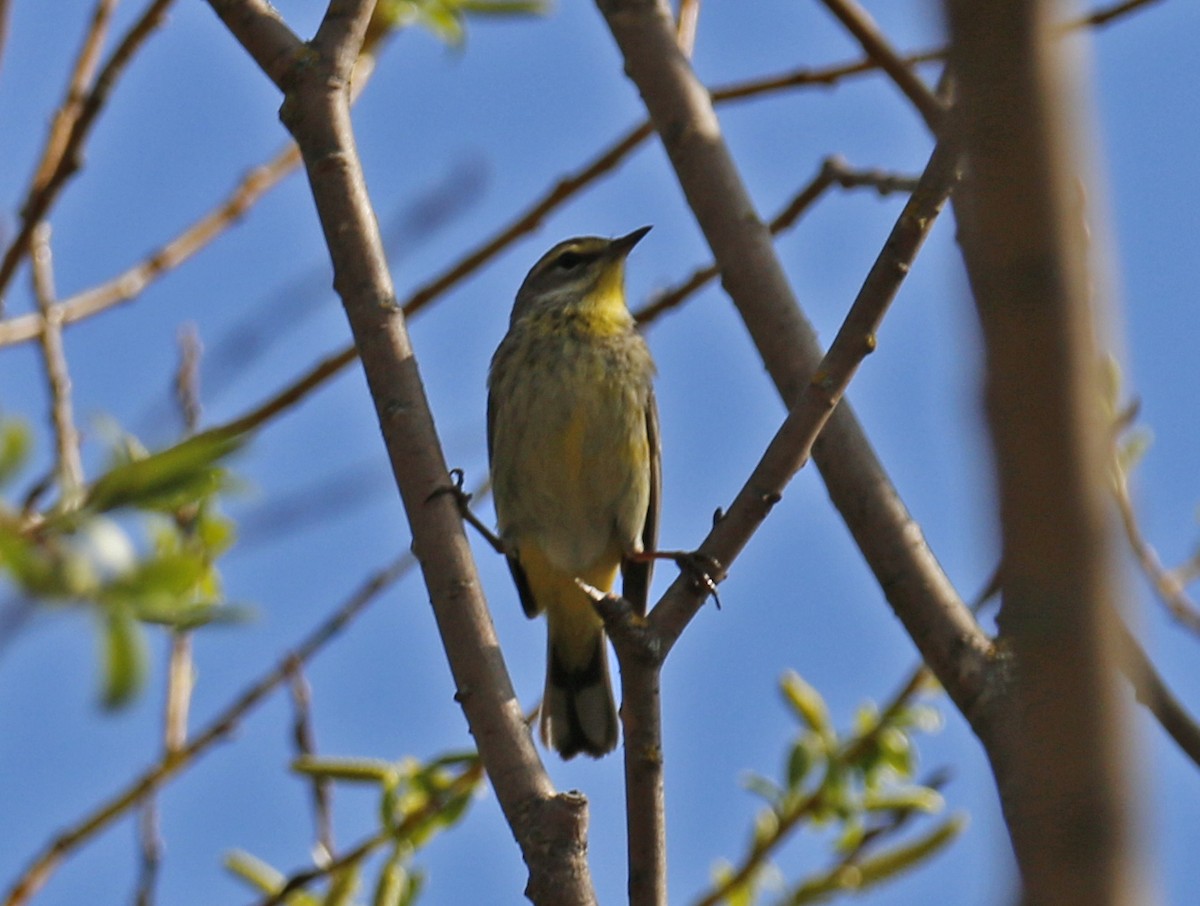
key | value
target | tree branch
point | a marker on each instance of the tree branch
(217, 729)
(860, 24)
(58, 165)
(549, 828)
(682, 114)
(796, 438)
(1056, 738)
(68, 466)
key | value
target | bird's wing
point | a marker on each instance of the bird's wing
(636, 573)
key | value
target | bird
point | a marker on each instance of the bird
(575, 462)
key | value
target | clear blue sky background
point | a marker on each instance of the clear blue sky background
(522, 104)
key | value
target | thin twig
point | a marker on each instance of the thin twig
(69, 466)
(1167, 585)
(5, 10)
(859, 23)
(217, 729)
(1105, 15)
(133, 281)
(1152, 692)
(833, 172)
(305, 739)
(918, 680)
(187, 378)
(686, 24)
(463, 784)
(151, 846)
(42, 195)
(129, 284)
(78, 84)
(792, 444)
(180, 680)
(180, 668)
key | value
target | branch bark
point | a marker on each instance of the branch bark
(906, 569)
(315, 79)
(1056, 740)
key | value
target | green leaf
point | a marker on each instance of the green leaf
(123, 657)
(1132, 448)
(15, 442)
(505, 7)
(352, 770)
(168, 479)
(807, 703)
(216, 533)
(913, 799)
(394, 882)
(901, 858)
(169, 576)
(764, 788)
(342, 886)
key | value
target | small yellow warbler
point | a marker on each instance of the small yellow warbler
(574, 451)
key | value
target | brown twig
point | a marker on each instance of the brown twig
(1166, 583)
(127, 285)
(460, 786)
(1152, 693)
(796, 438)
(5, 11)
(1105, 15)
(859, 23)
(133, 281)
(216, 730)
(69, 466)
(43, 192)
(686, 23)
(833, 172)
(305, 739)
(80, 79)
(187, 378)
(151, 846)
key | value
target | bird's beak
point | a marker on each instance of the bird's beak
(619, 248)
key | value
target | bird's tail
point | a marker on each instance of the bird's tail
(578, 711)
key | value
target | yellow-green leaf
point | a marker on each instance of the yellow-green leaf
(123, 657)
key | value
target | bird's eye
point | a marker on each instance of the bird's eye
(568, 261)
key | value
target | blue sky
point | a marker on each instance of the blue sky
(522, 104)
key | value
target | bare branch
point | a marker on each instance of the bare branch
(1166, 583)
(69, 466)
(151, 846)
(548, 827)
(1056, 739)
(218, 729)
(1152, 692)
(903, 564)
(82, 74)
(860, 24)
(259, 28)
(42, 195)
(833, 172)
(305, 739)
(792, 444)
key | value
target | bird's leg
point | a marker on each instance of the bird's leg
(704, 571)
(463, 499)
